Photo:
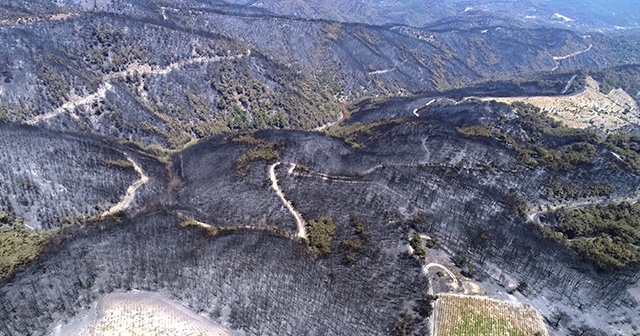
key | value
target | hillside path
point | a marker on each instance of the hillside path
(534, 215)
(302, 231)
(131, 191)
(134, 68)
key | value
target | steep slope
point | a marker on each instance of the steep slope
(258, 283)
(170, 73)
(50, 179)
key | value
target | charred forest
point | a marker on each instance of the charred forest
(281, 174)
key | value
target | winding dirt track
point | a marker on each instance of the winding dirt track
(415, 110)
(131, 191)
(72, 104)
(557, 59)
(380, 72)
(425, 271)
(302, 231)
(134, 68)
(574, 54)
(15, 23)
(351, 180)
(534, 216)
(327, 125)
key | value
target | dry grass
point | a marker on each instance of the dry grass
(458, 315)
(587, 108)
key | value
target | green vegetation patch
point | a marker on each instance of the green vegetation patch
(172, 130)
(321, 233)
(4, 116)
(211, 230)
(534, 151)
(350, 133)
(293, 101)
(567, 158)
(356, 244)
(405, 327)
(537, 123)
(561, 191)
(416, 244)
(189, 222)
(118, 163)
(414, 316)
(470, 315)
(625, 77)
(263, 150)
(333, 31)
(606, 236)
(18, 244)
(479, 131)
(517, 204)
(627, 147)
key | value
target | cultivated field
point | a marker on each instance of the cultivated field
(459, 315)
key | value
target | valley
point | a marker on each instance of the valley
(289, 168)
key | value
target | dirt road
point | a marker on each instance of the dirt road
(131, 191)
(132, 69)
(302, 231)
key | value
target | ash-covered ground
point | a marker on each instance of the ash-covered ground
(396, 177)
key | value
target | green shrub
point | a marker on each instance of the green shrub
(118, 163)
(559, 191)
(263, 150)
(350, 133)
(517, 204)
(321, 233)
(352, 244)
(475, 131)
(18, 244)
(405, 327)
(359, 226)
(416, 243)
(355, 245)
(606, 252)
(627, 147)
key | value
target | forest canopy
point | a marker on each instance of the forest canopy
(608, 235)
